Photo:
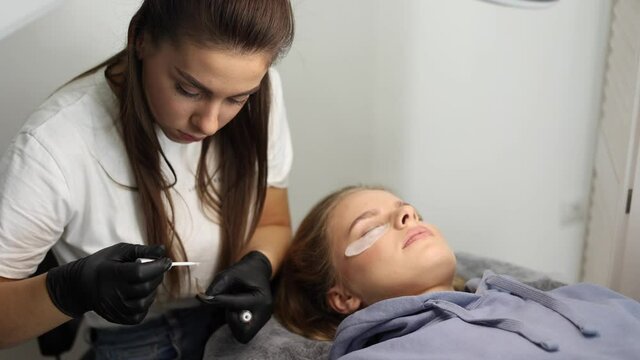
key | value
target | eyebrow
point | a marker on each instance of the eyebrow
(371, 213)
(200, 86)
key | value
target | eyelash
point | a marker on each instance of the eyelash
(238, 102)
(371, 229)
(185, 93)
(190, 95)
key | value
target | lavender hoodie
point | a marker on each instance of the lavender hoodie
(503, 319)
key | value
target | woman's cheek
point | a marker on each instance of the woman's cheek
(376, 254)
(374, 259)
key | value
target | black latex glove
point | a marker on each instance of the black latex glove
(243, 286)
(109, 282)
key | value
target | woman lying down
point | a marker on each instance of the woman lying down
(367, 272)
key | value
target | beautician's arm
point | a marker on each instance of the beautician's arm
(273, 233)
(26, 310)
(110, 282)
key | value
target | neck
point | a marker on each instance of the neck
(439, 288)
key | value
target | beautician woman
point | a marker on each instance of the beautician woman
(175, 149)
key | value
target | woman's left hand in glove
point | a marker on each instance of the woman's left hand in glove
(244, 286)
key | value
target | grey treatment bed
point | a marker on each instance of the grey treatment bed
(276, 342)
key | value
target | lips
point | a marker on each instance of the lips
(415, 234)
(187, 137)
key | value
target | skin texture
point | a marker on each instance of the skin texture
(193, 91)
(390, 267)
(27, 310)
(273, 233)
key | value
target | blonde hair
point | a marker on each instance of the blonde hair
(308, 273)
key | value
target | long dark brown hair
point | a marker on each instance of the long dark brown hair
(240, 147)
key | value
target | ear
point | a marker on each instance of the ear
(343, 301)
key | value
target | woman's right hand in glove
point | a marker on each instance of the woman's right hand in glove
(110, 282)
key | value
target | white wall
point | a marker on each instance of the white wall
(43, 55)
(483, 116)
(46, 53)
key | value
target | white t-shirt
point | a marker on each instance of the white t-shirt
(61, 184)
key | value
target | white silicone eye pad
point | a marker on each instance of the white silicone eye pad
(365, 242)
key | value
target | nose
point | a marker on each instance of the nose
(207, 119)
(405, 216)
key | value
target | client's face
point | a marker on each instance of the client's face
(382, 249)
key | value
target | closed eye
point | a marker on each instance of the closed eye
(377, 227)
(184, 92)
(239, 101)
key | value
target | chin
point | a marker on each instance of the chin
(441, 268)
